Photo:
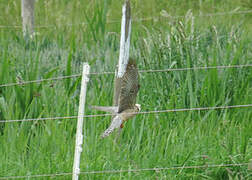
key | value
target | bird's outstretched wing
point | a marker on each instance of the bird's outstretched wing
(129, 87)
(111, 109)
(116, 123)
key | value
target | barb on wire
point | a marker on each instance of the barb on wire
(129, 170)
(145, 112)
(141, 71)
(134, 20)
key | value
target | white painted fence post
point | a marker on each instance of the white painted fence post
(124, 49)
(124, 52)
(125, 39)
(79, 136)
(28, 16)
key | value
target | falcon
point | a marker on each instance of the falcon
(127, 107)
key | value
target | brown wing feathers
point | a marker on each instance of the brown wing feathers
(130, 87)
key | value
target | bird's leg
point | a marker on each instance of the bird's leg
(121, 126)
(120, 129)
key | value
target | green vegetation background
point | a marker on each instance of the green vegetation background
(147, 141)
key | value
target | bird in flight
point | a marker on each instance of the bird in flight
(127, 107)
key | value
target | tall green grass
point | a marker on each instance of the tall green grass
(149, 140)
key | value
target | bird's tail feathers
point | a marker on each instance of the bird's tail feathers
(115, 124)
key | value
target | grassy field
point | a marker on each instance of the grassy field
(147, 141)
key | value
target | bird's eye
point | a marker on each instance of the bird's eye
(133, 91)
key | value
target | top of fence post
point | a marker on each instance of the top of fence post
(28, 17)
(125, 39)
(124, 48)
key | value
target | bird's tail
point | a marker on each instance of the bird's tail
(115, 124)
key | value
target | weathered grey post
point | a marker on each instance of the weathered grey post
(79, 136)
(124, 51)
(28, 16)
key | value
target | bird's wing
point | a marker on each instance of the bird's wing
(129, 87)
(116, 123)
(111, 109)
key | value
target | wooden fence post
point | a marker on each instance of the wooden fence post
(28, 17)
(79, 136)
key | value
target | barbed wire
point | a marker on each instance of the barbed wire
(39, 119)
(141, 71)
(145, 112)
(210, 14)
(35, 176)
(197, 68)
(129, 170)
(136, 19)
(165, 168)
(39, 80)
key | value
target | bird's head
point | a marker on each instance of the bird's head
(138, 106)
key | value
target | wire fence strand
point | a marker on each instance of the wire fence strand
(234, 12)
(145, 112)
(165, 168)
(141, 71)
(39, 119)
(197, 68)
(129, 170)
(35, 176)
(39, 80)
